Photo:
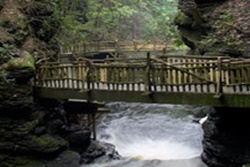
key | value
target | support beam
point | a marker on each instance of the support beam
(200, 99)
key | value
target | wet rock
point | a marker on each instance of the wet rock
(17, 101)
(79, 140)
(66, 159)
(45, 145)
(20, 69)
(98, 151)
(19, 162)
(40, 130)
(226, 138)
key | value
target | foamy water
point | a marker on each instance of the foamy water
(161, 150)
(146, 133)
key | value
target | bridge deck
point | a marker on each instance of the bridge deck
(174, 79)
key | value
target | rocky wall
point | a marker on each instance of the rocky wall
(226, 138)
(39, 133)
(215, 27)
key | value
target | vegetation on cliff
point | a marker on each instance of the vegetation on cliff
(94, 20)
(224, 29)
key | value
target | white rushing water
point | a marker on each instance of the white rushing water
(151, 135)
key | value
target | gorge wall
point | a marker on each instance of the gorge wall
(34, 133)
(215, 27)
(220, 28)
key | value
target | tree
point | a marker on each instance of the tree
(115, 19)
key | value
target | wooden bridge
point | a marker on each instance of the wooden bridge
(113, 47)
(194, 80)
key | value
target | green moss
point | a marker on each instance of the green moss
(1, 4)
(26, 61)
(28, 126)
(47, 141)
(21, 162)
(5, 145)
(223, 37)
(14, 20)
(183, 20)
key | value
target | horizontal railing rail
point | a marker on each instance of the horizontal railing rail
(114, 46)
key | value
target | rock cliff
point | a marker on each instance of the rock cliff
(226, 138)
(34, 134)
(215, 27)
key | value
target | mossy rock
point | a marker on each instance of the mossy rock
(20, 69)
(183, 20)
(17, 102)
(6, 146)
(29, 126)
(65, 159)
(25, 61)
(21, 162)
(45, 145)
(24, 129)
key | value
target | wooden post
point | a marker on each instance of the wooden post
(92, 123)
(88, 75)
(87, 79)
(147, 76)
(219, 79)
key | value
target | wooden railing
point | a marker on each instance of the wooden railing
(113, 46)
(186, 74)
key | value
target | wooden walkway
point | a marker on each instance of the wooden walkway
(114, 47)
(195, 80)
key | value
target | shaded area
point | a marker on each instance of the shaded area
(226, 138)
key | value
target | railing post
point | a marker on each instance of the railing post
(147, 76)
(219, 89)
(88, 79)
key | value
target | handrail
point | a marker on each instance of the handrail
(172, 66)
(151, 74)
(117, 46)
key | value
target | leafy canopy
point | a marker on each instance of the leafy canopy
(115, 19)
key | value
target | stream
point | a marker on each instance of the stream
(151, 135)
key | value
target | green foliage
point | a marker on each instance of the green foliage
(6, 53)
(224, 32)
(25, 62)
(3, 76)
(115, 19)
(1, 4)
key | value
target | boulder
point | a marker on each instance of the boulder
(99, 151)
(79, 140)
